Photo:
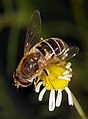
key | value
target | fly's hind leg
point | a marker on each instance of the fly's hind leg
(47, 74)
(62, 64)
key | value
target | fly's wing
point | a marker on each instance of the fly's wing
(70, 52)
(33, 31)
(67, 52)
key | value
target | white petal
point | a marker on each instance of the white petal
(38, 87)
(59, 98)
(64, 78)
(69, 75)
(68, 65)
(66, 72)
(42, 94)
(52, 100)
(70, 99)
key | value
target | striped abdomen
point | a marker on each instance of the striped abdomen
(54, 47)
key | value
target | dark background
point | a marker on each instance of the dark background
(66, 19)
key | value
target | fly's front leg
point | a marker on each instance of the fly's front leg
(36, 82)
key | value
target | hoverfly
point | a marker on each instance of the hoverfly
(39, 54)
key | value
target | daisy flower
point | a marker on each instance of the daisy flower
(56, 80)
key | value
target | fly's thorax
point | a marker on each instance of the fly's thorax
(29, 65)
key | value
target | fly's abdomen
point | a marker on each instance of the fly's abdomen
(52, 46)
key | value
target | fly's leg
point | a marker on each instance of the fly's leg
(37, 79)
(36, 82)
(62, 63)
(47, 74)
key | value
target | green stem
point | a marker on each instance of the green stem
(78, 107)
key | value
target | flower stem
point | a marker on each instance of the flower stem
(78, 107)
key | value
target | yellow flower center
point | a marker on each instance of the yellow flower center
(53, 80)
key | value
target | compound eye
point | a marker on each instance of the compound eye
(20, 80)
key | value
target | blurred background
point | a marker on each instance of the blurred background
(66, 19)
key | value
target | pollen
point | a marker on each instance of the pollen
(58, 77)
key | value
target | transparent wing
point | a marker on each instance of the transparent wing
(70, 52)
(33, 31)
